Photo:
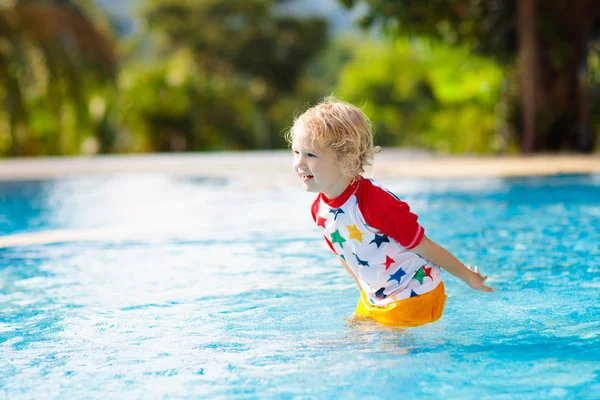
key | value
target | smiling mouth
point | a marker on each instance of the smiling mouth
(306, 177)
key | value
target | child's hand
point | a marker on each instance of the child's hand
(476, 280)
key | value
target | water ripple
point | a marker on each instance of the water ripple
(215, 291)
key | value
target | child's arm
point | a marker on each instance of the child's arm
(440, 256)
(345, 264)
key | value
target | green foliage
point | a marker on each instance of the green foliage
(324, 69)
(51, 56)
(486, 26)
(169, 108)
(557, 34)
(420, 93)
(244, 36)
(249, 50)
(213, 74)
(205, 75)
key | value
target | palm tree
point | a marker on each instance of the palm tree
(52, 42)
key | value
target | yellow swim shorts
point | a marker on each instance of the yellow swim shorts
(414, 311)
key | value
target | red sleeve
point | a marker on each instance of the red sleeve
(384, 211)
(314, 210)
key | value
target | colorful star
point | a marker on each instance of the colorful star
(337, 238)
(428, 272)
(355, 233)
(413, 294)
(321, 221)
(361, 262)
(336, 212)
(419, 275)
(380, 293)
(397, 275)
(388, 262)
(379, 239)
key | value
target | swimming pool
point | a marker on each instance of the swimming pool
(201, 287)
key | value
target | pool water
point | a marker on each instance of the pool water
(207, 288)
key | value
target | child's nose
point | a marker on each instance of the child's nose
(299, 161)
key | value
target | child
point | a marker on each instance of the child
(373, 233)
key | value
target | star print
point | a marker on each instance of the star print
(336, 212)
(419, 275)
(321, 221)
(397, 275)
(428, 272)
(380, 293)
(361, 262)
(343, 257)
(379, 239)
(355, 233)
(337, 238)
(388, 262)
(413, 294)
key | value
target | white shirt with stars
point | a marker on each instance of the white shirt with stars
(374, 232)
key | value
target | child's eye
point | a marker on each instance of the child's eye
(311, 155)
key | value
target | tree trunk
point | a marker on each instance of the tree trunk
(553, 62)
(528, 50)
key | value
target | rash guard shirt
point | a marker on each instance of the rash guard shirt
(374, 231)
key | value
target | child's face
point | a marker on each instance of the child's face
(318, 169)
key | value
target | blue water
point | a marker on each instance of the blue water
(209, 288)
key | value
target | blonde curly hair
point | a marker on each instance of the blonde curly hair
(343, 128)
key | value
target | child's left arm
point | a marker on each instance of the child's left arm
(442, 257)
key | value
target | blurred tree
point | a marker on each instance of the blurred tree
(442, 98)
(246, 41)
(546, 38)
(51, 50)
(171, 107)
